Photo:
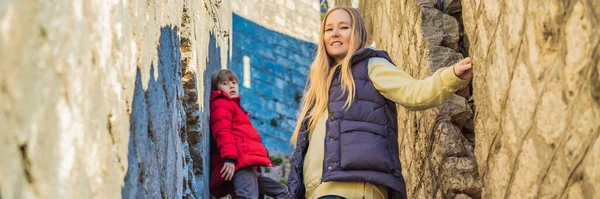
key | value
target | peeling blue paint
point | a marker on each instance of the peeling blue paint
(155, 163)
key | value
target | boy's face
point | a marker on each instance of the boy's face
(230, 87)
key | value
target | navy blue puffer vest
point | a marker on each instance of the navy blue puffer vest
(361, 142)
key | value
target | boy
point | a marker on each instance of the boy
(237, 150)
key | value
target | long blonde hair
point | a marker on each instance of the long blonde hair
(321, 73)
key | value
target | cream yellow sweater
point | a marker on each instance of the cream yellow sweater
(397, 86)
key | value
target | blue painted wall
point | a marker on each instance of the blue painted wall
(155, 122)
(279, 67)
(158, 128)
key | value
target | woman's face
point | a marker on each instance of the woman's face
(338, 27)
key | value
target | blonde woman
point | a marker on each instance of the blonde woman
(348, 114)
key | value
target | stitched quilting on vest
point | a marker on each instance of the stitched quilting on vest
(361, 141)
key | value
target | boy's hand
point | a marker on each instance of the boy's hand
(228, 170)
(463, 69)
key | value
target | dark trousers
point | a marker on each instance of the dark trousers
(248, 183)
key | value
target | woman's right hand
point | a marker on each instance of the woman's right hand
(463, 69)
(228, 170)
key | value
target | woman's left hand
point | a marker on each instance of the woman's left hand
(463, 69)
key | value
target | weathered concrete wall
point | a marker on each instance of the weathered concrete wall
(436, 145)
(295, 18)
(205, 48)
(351, 3)
(537, 93)
(92, 99)
(155, 149)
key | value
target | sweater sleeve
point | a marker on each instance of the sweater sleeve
(400, 87)
(221, 117)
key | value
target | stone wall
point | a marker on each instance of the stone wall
(537, 93)
(535, 96)
(93, 102)
(436, 145)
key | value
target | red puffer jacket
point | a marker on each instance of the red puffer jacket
(235, 138)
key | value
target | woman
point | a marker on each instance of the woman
(349, 114)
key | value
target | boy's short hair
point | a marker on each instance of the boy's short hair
(222, 75)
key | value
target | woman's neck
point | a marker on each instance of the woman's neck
(338, 62)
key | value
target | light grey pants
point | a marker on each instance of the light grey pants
(248, 183)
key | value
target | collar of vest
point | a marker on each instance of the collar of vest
(368, 52)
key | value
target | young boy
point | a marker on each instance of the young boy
(237, 150)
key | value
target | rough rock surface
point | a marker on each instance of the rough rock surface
(436, 145)
(537, 93)
(92, 102)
